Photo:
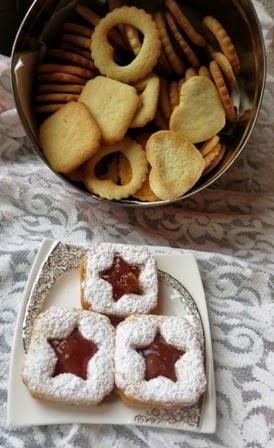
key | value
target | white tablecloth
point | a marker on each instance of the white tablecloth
(230, 228)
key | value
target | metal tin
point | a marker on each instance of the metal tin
(238, 17)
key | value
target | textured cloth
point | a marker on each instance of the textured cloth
(230, 228)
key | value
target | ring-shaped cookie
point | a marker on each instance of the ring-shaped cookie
(107, 188)
(103, 52)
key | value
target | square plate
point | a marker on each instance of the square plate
(54, 280)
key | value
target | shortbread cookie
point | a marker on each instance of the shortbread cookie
(133, 39)
(187, 50)
(180, 84)
(164, 64)
(164, 102)
(148, 89)
(65, 78)
(174, 98)
(159, 121)
(176, 164)
(119, 280)
(224, 41)
(69, 137)
(113, 4)
(145, 193)
(71, 57)
(112, 104)
(176, 63)
(226, 69)
(102, 51)
(209, 145)
(48, 108)
(77, 50)
(70, 358)
(63, 68)
(215, 162)
(75, 39)
(159, 362)
(88, 15)
(211, 155)
(75, 28)
(223, 91)
(203, 71)
(56, 97)
(107, 188)
(184, 23)
(200, 114)
(59, 88)
(190, 73)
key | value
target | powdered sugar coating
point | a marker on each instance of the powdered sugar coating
(140, 331)
(98, 292)
(41, 358)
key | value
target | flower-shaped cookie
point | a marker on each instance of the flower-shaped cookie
(159, 361)
(119, 280)
(70, 359)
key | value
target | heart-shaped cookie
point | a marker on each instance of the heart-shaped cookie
(200, 114)
(176, 164)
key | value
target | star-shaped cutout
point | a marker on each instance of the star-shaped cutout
(160, 358)
(123, 277)
(73, 354)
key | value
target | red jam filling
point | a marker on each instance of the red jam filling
(123, 277)
(73, 354)
(160, 358)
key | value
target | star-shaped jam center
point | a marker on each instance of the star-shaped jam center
(73, 354)
(123, 277)
(160, 358)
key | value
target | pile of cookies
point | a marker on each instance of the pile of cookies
(79, 356)
(132, 110)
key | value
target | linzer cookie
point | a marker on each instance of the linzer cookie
(70, 358)
(159, 362)
(119, 280)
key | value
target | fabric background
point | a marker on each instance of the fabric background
(230, 228)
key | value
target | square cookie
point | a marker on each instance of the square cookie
(119, 280)
(112, 104)
(69, 137)
(70, 359)
(159, 362)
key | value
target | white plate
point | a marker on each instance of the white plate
(54, 280)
